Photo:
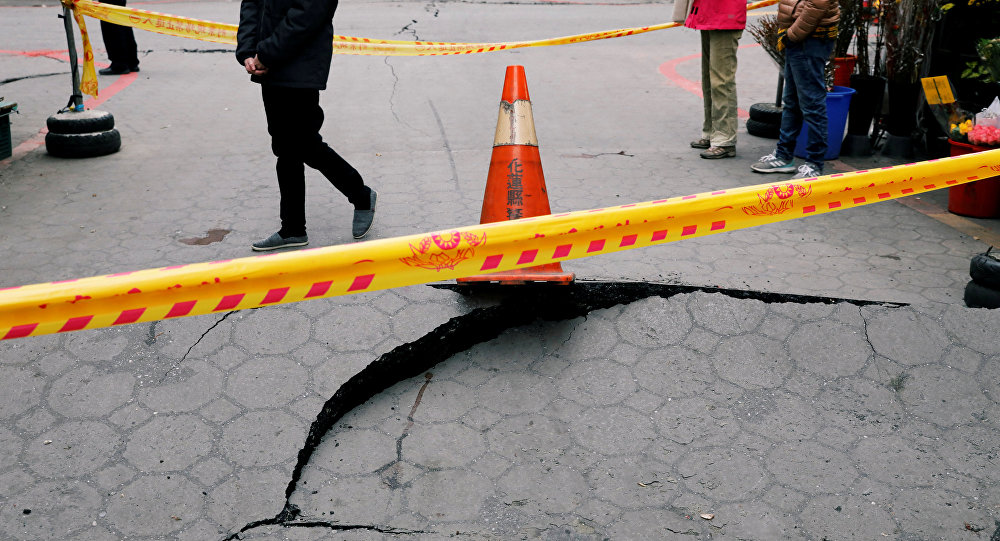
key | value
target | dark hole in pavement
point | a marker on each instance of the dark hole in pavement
(516, 306)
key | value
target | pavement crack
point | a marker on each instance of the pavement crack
(393, 479)
(36, 76)
(407, 29)
(447, 146)
(510, 308)
(341, 527)
(188, 352)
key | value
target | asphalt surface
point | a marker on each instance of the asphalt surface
(812, 379)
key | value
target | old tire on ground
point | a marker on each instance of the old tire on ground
(762, 129)
(985, 270)
(80, 122)
(83, 145)
(767, 113)
(977, 296)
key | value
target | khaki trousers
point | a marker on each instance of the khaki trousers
(718, 85)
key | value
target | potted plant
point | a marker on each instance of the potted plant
(908, 31)
(868, 80)
(843, 62)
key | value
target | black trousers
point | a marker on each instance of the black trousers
(294, 118)
(120, 42)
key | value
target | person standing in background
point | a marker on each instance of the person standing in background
(807, 31)
(721, 23)
(120, 43)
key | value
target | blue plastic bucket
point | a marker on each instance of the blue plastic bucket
(838, 103)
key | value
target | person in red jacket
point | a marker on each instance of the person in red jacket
(721, 23)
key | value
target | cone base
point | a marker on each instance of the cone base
(551, 273)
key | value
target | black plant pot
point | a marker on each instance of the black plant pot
(867, 101)
(902, 118)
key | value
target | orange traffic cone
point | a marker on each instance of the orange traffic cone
(515, 186)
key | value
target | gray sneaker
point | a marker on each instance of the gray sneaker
(807, 170)
(363, 218)
(773, 164)
(276, 241)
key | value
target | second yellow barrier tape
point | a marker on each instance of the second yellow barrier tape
(204, 288)
(213, 32)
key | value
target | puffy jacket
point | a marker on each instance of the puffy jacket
(717, 15)
(801, 17)
(292, 38)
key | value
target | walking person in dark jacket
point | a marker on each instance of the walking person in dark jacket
(287, 47)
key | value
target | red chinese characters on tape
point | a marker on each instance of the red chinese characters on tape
(777, 199)
(445, 251)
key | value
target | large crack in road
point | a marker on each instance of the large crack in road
(514, 307)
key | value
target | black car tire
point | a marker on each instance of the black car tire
(767, 113)
(977, 296)
(83, 145)
(70, 122)
(762, 129)
(985, 270)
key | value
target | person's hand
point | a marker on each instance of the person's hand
(254, 66)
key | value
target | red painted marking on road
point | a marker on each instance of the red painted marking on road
(491, 262)
(669, 70)
(952, 182)
(527, 256)
(181, 309)
(834, 204)
(129, 316)
(76, 323)
(883, 195)
(361, 282)
(859, 200)
(562, 251)
(595, 246)
(689, 230)
(718, 225)
(229, 302)
(720, 192)
(659, 235)
(20, 331)
(628, 240)
(907, 190)
(688, 197)
(319, 289)
(275, 295)
(809, 209)
(929, 187)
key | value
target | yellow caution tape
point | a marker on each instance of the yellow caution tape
(213, 32)
(204, 288)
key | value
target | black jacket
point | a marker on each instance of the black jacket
(292, 38)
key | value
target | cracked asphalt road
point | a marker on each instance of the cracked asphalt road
(810, 379)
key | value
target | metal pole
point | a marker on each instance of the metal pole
(76, 99)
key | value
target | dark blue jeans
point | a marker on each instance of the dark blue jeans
(805, 99)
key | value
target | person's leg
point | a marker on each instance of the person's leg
(722, 74)
(120, 43)
(706, 83)
(812, 98)
(284, 115)
(318, 155)
(791, 114)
